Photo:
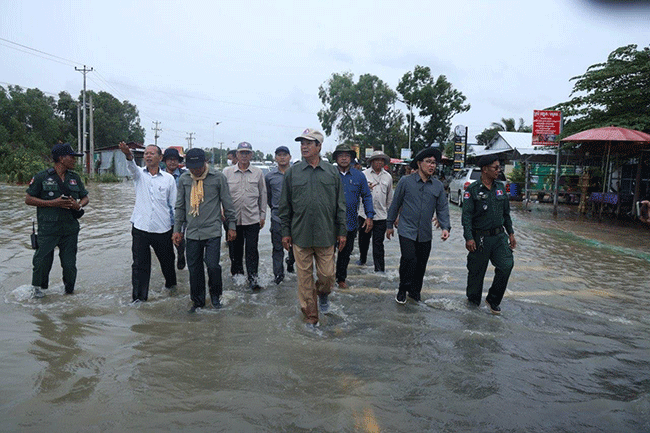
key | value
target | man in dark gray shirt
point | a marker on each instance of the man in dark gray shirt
(202, 192)
(416, 198)
(274, 180)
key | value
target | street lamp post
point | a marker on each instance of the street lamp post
(213, 126)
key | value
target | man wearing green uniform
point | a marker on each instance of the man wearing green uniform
(312, 215)
(57, 193)
(486, 212)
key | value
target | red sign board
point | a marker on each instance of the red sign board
(547, 125)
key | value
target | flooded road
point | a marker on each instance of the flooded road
(570, 352)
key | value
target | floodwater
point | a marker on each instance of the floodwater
(570, 352)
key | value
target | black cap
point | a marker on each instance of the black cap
(425, 153)
(63, 149)
(170, 152)
(282, 149)
(487, 159)
(195, 158)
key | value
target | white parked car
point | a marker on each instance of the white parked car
(463, 179)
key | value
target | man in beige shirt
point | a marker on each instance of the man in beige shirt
(248, 191)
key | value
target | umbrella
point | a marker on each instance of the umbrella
(622, 139)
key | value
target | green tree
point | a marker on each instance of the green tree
(362, 113)
(436, 103)
(115, 121)
(616, 92)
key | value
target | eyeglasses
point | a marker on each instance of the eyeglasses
(430, 161)
(497, 168)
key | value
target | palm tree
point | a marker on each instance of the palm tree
(509, 125)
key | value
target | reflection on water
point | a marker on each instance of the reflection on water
(569, 353)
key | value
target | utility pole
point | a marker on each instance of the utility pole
(156, 129)
(91, 162)
(189, 139)
(84, 71)
(221, 154)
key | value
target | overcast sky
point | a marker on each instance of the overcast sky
(255, 67)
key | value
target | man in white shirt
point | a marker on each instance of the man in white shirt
(248, 191)
(381, 187)
(152, 220)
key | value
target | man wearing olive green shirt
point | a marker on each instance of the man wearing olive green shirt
(312, 213)
(202, 194)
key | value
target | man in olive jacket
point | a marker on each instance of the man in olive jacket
(202, 193)
(312, 214)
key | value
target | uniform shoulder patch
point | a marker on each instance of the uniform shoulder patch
(499, 192)
(467, 195)
(73, 182)
(31, 181)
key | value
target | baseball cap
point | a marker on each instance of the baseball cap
(195, 158)
(170, 152)
(63, 149)
(244, 146)
(311, 134)
(282, 149)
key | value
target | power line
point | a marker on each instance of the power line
(72, 62)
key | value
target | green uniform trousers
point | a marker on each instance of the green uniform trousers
(44, 256)
(495, 249)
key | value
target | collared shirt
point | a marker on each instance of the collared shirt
(57, 220)
(381, 186)
(355, 186)
(312, 205)
(155, 197)
(274, 180)
(248, 192)
(485, 209)
(216, 194)
(177, 173)
(418, 200)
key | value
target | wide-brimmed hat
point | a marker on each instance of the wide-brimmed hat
(311, 134)
(195, 158)
(170, 152)
(344, 148)
(379, 154)
(63, 149)
(425, 153)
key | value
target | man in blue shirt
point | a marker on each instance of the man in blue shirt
(416, 198)
(355, 185)
(172, 159)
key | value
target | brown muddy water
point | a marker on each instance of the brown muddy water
(570, 352)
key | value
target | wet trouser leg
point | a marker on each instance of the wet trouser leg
(503, 261)
(308, 290)
(378, 233)
(43, 259)
(364, 242)
(497, 250)
(194, 255)
(252, 235)
(278, 252)
(68, 255)
(164, 248)
(343, 259)
(412, 266)
(211, 259)
(237, 252)
(141, 268)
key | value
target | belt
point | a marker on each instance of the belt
(491, 232)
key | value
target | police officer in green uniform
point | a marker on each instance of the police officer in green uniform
(486, 212)
(58, 194)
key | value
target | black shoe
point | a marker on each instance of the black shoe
(255, 287)
(473, 304)
(290, 267)
(181, 262)
(324, 303)
(400, 298)
(69, 291)
(360, 263)
(414, 298)
(193, 309)
(279, 279)
(216, 303)
(495, 309)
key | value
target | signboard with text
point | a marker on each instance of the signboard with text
(459, 156)
(547, 125)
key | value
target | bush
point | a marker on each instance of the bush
(19, 164)
(108, 178)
